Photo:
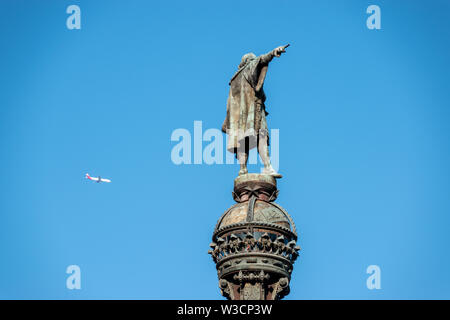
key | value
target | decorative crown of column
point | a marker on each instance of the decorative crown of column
(254, 242)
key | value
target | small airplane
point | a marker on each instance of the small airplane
(98, 180)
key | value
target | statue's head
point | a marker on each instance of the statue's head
(246, 58)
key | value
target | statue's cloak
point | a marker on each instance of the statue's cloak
(246, 112)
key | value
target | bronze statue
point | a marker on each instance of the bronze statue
(245, 122)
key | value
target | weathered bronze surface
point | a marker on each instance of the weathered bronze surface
(254, 242)
(245, 122)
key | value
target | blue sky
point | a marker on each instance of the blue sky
(364, 144)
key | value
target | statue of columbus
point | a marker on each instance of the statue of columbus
(245, 122)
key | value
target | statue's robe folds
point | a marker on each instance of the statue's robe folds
(246, 112)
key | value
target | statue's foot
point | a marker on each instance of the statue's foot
(271, 172)
(243, 171)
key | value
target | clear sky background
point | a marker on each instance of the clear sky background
(363, 115)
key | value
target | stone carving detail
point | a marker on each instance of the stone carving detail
(260, 193)
(234, 244)
(226, 288)
(251, 276)
(250, 291)
(281, 288)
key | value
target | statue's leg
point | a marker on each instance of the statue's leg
(263, 150)
(242, 155)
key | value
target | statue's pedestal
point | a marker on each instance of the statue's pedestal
(255, 178)
(254, 242)
(262, 186)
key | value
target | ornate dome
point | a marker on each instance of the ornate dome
(256, 212)
(254, 244)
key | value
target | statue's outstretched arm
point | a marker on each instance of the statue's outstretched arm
(266, 58)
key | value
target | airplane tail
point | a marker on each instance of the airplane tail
(88, 176)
